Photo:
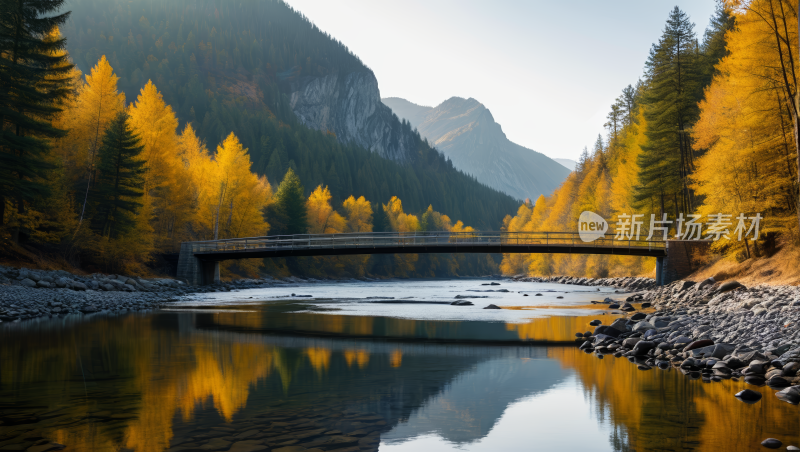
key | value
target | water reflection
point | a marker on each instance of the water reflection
(550, 330)
(205, 381)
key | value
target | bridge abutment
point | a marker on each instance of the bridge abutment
(196, 271)
(679, 261)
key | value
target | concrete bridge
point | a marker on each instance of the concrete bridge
(199, 261)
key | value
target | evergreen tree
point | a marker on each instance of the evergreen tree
(120, 180)
(714, 46)
(670, 110)
(34, 80)
(291, 204)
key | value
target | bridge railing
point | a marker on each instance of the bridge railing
(415, 239)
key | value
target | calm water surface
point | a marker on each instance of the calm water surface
(341, 372)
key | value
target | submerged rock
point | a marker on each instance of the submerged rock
(462, 303)
(749, 396)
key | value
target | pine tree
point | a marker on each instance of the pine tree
(714, 46)
(292, 204)
(34, 80)
(120, 180)
(670, 109)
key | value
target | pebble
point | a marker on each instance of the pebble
(771, 443)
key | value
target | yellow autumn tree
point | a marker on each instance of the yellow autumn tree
(359, 214)
(196, 162)
(98, 103)
(167, 192)
(233, 198)
(322, 219)
(399, 221)
(746, 124)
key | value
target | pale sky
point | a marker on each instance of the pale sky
(547, 70)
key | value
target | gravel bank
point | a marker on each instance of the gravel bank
(710, 331)
(628, 283)
(29, 294)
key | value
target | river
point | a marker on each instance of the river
(388, 366)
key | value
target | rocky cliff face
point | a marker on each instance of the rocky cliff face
(349, 105)
(465, 130)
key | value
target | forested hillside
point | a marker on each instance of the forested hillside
(710, 128)
(227, 67)
(174, 126)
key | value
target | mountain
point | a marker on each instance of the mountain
(465, 131)
(568, 163)
(294, 96)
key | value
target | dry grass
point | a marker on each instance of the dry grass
(782, 268)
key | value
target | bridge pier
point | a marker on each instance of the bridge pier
(679, 263)
(196, 271)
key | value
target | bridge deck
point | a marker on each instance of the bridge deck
(420, 242)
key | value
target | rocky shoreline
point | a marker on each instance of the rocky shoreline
(29, 294)
(707, 330)
(630, 283)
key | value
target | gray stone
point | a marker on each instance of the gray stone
(778, 381)
(749, 356)
(621, 325)
(661, 323)
(771, 443)
(607, 330)
(642, 347)
(706, 282)
(77, 285)
(631, 341)
(28, 282)
(643, 326)
(790, 370)
(730, 285)
(43, 283)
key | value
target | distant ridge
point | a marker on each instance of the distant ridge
(466, 132)
(568, 163)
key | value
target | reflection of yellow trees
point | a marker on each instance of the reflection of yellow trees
(396, 358)
(360, 357)
(553, 329)
(320, 358)
(158, 374)
(675, 413)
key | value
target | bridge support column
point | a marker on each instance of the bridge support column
(196, 271)
(679, 262)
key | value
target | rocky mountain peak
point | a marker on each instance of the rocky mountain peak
(466, 131)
